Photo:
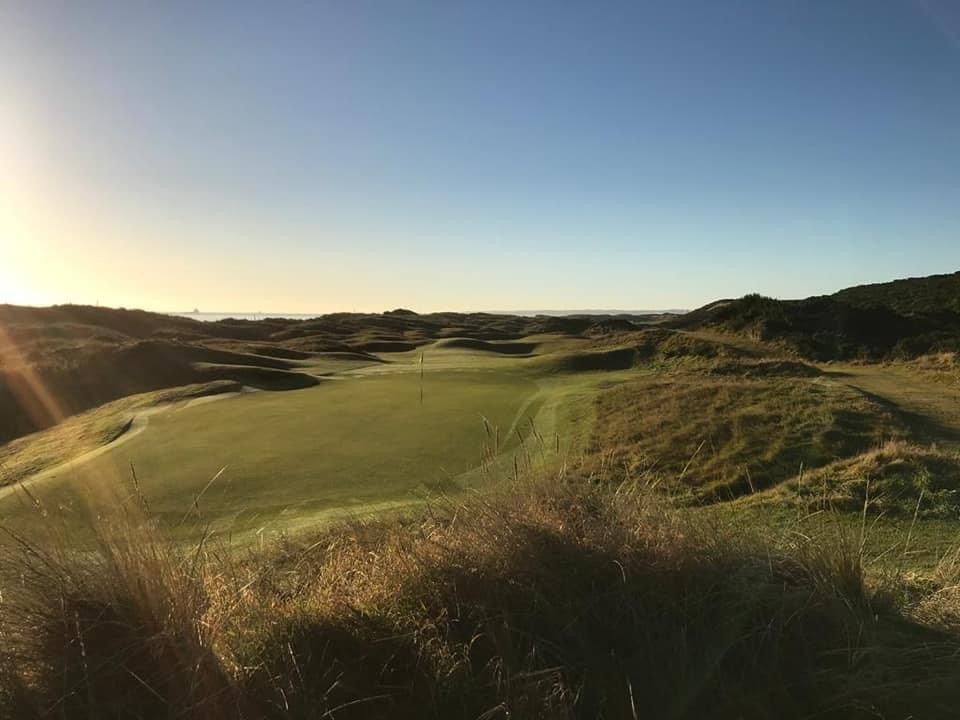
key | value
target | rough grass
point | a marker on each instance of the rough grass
(900, 478)
(941, 367)
(718, 437)
(122, 629)
(550, 600)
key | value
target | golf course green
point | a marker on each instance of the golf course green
(366, 438)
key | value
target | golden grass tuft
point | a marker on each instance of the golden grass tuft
(713, 438)
(122, 628)
(554, 598)
(902, 478)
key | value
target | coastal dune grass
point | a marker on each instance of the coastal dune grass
(718, 437)
(549, 598)
(121, 628)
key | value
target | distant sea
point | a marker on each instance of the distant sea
(214, 317)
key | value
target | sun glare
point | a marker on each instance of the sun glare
(17, 286)
(17, 290)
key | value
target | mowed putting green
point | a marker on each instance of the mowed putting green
(357, 443)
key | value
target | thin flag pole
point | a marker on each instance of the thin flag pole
(421, 378)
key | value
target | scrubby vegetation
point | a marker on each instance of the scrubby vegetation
(550, 599)
(901, 319)
(911, 296)
(824, 328)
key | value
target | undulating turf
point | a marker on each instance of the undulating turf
(694, 415)
(344, 444)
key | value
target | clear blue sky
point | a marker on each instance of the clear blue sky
(317, 156)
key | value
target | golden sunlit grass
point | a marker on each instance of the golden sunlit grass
(901, 476)
(717, 436)
(548, 599)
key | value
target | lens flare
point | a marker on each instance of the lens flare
(30, 393)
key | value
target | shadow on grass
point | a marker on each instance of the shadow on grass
(555, 600)
(924, 428)
(568, 611)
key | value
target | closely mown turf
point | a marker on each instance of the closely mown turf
(284, 458)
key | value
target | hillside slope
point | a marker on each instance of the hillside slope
(931, 295)
(905, 318)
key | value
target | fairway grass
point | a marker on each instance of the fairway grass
(346, 444)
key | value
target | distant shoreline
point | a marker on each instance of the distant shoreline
(217, 316)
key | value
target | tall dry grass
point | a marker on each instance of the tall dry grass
(120, 628)
(556, 598)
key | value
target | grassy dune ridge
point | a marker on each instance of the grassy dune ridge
(901, 319)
